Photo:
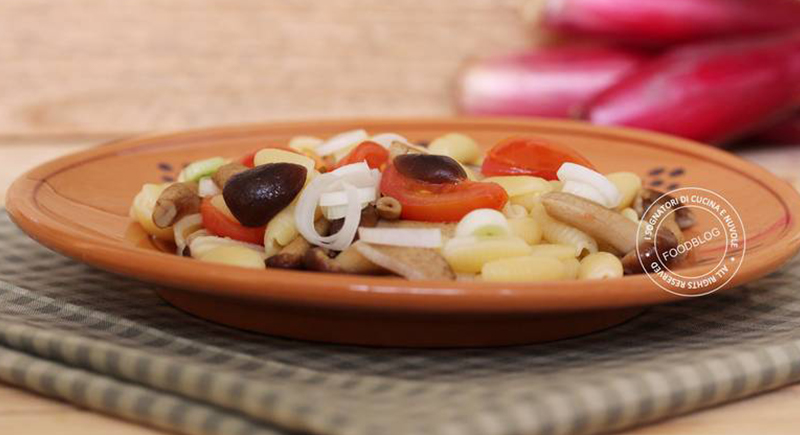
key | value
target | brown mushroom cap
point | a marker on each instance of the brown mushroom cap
(684, 216)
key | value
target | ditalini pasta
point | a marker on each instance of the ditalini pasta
(571, 267)
(529, 269)
(628, 184)
(600, 265)
(527, 210)
(457, 146)
(562, 252)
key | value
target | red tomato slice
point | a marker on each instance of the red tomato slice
(220, 224)
(249, 160)
(424, 201)
(525, 155)
(375, 155)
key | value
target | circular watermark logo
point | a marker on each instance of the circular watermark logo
(697, 261)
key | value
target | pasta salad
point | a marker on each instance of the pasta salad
(527, 210)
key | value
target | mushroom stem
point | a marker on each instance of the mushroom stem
(684, 217)
(643, 259)
(175, 202)
(292, 255)
(604, 225)
(615, 230)
(369, 219)
(349, 261)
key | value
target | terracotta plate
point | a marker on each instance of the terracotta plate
(78, 205)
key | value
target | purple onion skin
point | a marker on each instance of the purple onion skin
(665, 22)
(784, 132)
(549, 82)
(710, 92)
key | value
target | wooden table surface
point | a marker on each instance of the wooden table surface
(75, 73)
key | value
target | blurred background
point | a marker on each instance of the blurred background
(75, 73)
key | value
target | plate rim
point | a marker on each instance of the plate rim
(382, 293)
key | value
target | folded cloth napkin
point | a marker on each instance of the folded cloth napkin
(109, 343)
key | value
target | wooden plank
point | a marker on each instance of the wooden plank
(132, 65)
(16, 401)
(45, 416)
(773, 413)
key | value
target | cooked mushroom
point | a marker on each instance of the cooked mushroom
(352, 261)
(650, 204)
(612, 229)
(410, 263)
(604, 225)
(292, 255)
(364, 258)
(225, 172)
(318, 260)
(389, 208)
(684, 217)
(175, 202)
(645, 258)
(348, 261)
(369, 218)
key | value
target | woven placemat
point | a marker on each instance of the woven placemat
(109, 343)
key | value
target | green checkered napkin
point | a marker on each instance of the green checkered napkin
(110, 344)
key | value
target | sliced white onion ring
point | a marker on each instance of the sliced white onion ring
(330, 199)
(584, 179)
(207, 187)
(341, 141)
(358, 174)
(584, 190)
(408, 237)
(307, 206)
(385, 139)
(484, 222)
(338, 211)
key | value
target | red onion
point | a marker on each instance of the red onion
(709, 92)
(664, 22)
(785, 132)
(541, 82)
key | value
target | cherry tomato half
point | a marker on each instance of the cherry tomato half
(447, 202)
(525, 155)
(374, 154)
(220, 224)
(249, 160)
